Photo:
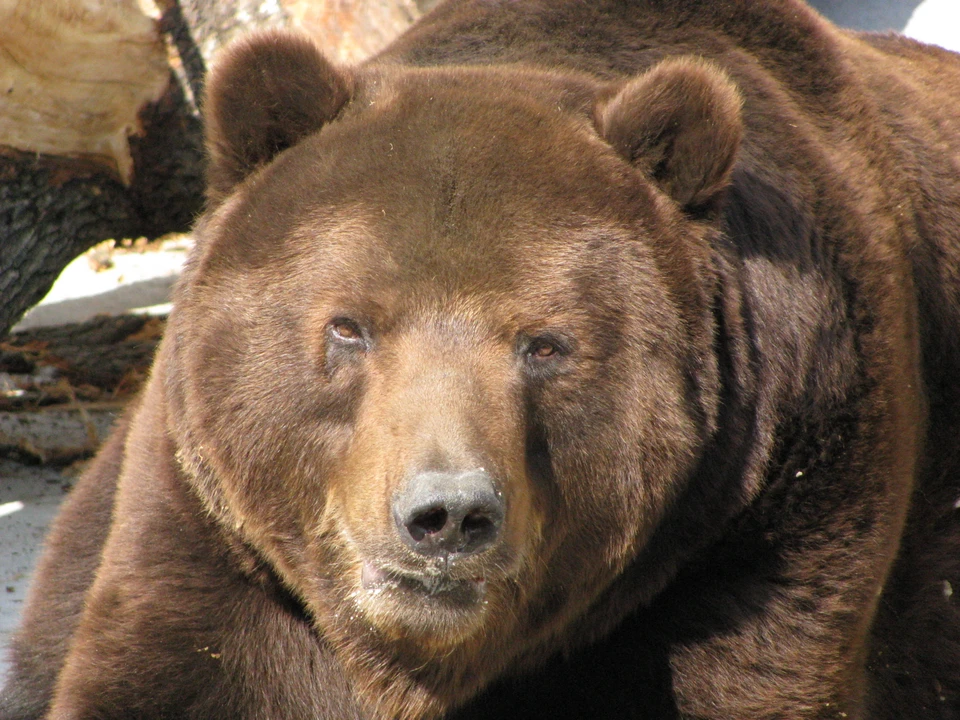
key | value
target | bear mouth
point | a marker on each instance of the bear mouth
(434, 585)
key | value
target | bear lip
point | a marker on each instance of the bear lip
(433, 584)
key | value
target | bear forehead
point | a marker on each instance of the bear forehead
(492, 97)
(507, 139)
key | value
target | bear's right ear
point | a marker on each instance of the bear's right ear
(680, 124)
(267, 92)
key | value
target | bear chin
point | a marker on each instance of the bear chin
(435, 606)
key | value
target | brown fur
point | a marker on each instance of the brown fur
(682, 279)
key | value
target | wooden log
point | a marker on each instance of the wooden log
(351, 30)
(74, 76)
(97, 139)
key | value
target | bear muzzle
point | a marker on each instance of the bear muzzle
(451, 522)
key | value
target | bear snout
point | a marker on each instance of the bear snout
(449, 513)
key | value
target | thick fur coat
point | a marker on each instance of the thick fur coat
(567, 360)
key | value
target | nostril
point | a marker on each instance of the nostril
(477, 525)
(426, 523)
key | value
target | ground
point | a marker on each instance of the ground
(50, 368)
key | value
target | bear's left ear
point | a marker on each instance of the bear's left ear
(679, 123)
(267, 92)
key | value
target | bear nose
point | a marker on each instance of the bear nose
(447, 513)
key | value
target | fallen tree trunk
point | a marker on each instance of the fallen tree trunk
(97, 139)
(99, 131)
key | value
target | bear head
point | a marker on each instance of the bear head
(444, 353)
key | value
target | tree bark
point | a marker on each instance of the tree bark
(97, 139)
(100, 136)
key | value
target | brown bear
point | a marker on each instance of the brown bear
(567, 360)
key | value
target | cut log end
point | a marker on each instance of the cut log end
(73, 80)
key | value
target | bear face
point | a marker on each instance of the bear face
(446, 361)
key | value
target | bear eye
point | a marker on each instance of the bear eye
(346, 331)
(545, 349)
(541, 349)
